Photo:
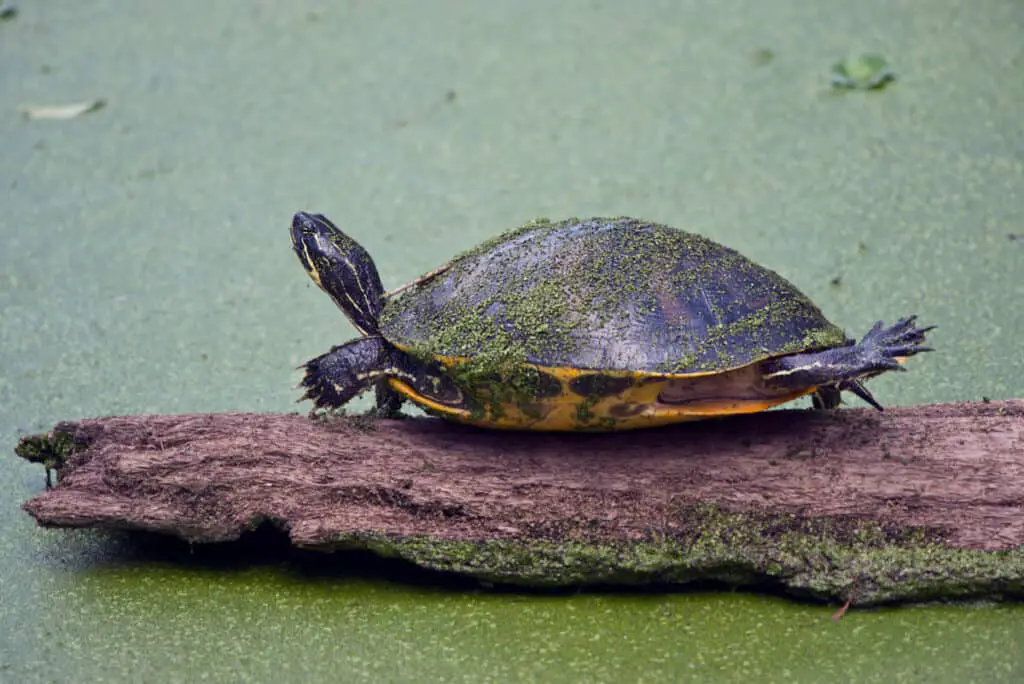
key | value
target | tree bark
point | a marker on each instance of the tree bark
(913, 503)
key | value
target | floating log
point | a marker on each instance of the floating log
(914, 503)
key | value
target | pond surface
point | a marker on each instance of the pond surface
(145, 267)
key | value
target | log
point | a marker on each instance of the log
(913, 503)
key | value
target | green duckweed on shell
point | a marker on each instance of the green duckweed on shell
(601, 294)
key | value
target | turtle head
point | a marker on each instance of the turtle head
(340, 267)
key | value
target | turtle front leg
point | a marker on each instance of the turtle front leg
(389, 402)
(845, 368)
(335, 378)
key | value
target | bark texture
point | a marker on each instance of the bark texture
(915, 502)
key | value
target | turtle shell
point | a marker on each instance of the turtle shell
(609, 294)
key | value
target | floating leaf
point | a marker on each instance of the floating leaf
(68, 111)
(864, 72)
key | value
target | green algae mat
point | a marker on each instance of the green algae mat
(145, 270)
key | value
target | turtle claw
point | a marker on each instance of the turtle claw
(845, 369)
(884, 349)
(830, 396)
(900, 340)
(907, 350)
(857, 387)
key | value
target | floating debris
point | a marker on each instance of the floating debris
(8, 10)
(838, 615)
(864, 72)
(62, 112)
(762, 56)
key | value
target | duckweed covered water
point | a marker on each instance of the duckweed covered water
(146, 267)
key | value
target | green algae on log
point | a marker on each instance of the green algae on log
(915, 503)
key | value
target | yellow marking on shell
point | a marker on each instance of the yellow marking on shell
(453, 361)
(461, 415)
(698, 397)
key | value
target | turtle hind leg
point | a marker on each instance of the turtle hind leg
(335, 378)
(826, 397)
(831, 396)
(845, 368)
(898, 341)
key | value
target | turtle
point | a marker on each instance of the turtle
(585, 324)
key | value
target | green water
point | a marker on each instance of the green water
(128, 618)
(145, 267)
